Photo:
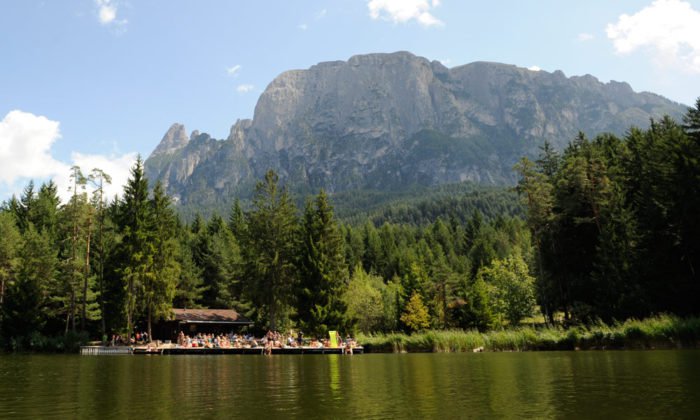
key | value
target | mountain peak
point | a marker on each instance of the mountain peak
(387, 121)
(174, 139)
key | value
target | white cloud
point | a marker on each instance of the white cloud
(25, 147)
(321, 14)
(584, 36)
(534, 68)
(401, 11)
(107, 13)
(25, 153)
(667, 29)
(244, 88)
(303, 26)
(233, 71)
(445, 62)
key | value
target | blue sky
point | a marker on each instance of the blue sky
(94, 82)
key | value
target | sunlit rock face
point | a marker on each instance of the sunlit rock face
(388, 121)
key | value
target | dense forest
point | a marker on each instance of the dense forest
(615, 222)
(609, 231)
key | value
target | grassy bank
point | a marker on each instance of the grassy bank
(658, 332)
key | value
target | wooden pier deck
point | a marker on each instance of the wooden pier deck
(175, 350)
(254, 350)
(105, 350)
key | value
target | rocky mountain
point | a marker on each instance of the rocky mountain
(390, 121)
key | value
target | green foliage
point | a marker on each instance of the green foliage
(421, 206)
(159, 290)
(216, 252)
(415, 316)
(477, 310)
(656, 332)
(511, 291)
(611, 233)
(270, 253)
(615, 223)
(9, 257)
(322, 269)
(364, 301)
(137, 247)
(190, 286)
(24, 306)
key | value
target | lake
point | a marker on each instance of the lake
(596, 384)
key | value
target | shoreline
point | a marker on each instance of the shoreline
(660, 332)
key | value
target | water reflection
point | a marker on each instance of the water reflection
(546, 385)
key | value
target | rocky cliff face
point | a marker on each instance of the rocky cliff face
(387, 121)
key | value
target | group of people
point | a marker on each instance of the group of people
(273, 339)
(136, 338)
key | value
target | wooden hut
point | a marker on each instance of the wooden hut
(205, 321)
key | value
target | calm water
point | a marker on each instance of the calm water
(635, 384)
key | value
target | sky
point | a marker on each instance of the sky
(94, 83)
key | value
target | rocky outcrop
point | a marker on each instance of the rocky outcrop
(387, 121)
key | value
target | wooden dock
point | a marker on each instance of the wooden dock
(174, 350)
(105, 350)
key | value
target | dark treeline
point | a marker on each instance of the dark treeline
(456, 203)
(616, 222)
(611, 232)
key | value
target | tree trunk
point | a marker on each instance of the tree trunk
(273, 321)
(129, 308)
(65, 333)
(72, 309)
(444, 304)
(150, 315)
(83, 319)
(103, 315)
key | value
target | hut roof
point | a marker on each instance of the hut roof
(209, 316)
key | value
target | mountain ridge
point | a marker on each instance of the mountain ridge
(390, 120)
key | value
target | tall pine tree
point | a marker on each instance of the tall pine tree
(323, 273)
(270, 252)
(137, 247)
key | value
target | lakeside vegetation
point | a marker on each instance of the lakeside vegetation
(660, 332)
(610, 233)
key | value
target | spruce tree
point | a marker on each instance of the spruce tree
(137, 247)
(270, 252)
(159, 288)
(323, 273)
(9, 253)
(24, 308)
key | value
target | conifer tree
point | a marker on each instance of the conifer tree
(217, 253)
(159, 288)
(270, 252)
(9, 253)
(190, 289)
(24, 310)
(323, 273)
(136, 248)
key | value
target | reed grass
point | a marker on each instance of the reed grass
(663, 331)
